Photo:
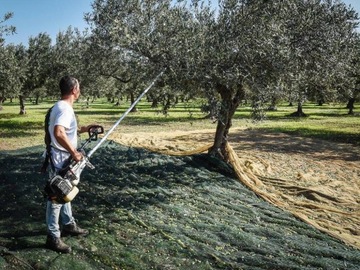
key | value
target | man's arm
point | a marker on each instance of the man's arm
(60, 135)
(84, 128)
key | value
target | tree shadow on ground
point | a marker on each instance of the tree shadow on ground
(284, 143)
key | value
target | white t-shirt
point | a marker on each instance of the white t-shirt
(62, 114)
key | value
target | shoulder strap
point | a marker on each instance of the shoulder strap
(47, 140)
(47, 137)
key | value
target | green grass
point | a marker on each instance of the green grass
(330, 122)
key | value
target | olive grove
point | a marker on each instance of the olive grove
(225, 51)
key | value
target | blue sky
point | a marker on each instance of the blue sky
(32, 17)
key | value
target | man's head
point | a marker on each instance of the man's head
(69, 85)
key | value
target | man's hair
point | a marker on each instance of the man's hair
(67, 83)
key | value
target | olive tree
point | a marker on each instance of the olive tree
(68, 57)
(238, 49)
(221, 53)
(237, 53)
(349, 90)
(38, 68)
(12, 70)
(320, 35)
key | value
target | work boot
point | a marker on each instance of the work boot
(56, 244)
(74, 230)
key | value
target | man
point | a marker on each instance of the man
(63, 132)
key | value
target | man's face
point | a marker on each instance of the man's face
(76, 91)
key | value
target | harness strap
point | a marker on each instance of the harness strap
(47, 140)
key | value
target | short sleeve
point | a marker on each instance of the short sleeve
(64, 119)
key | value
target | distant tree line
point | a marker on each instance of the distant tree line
(235, 50)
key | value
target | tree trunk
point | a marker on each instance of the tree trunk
(167, 104)
(350, 105)
(22, 105)
(320, 102)
(117, 102)
(132, 100)
(299, 112)
(230, 102)
(2, 99)
(87, 102)
(272, 106)
(321, 98)
(299, 109)
(154, 103)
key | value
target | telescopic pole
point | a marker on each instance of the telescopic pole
(123, 116)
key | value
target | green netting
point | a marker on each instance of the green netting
(315, 190)
(153, 211)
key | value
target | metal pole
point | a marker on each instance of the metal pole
(123, 116)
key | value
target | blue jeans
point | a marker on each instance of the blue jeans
(56, 212)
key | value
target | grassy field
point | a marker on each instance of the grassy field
(330, 122)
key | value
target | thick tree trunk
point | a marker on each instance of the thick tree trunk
(350, 105)
(22, 104)
(231, 99)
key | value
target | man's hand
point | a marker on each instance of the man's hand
(77, 156)
(85, 128)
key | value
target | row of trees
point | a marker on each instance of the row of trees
(259, 50)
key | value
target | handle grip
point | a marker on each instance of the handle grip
(94, 131)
